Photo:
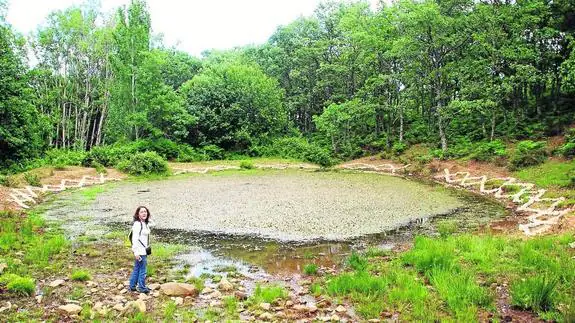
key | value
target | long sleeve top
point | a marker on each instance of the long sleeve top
(140, 237)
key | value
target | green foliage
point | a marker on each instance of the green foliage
(487, 151)
(247, 164)
(567, 150)
(231, 306)
(144, 163)
(528, 153)
(80, 275)
(399, 148)
(296, 148)
(64, 157)
(534, 293)
(310, 269)
(429, 254)
(235, 104)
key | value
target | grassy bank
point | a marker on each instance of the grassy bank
(461, 278)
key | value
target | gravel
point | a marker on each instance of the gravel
(283, 205)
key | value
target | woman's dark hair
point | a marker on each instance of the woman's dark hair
(137, 217)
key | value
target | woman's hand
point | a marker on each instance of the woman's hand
(138, 258)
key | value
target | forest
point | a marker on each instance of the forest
(459, 76)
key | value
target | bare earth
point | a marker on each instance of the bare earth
(284, 205)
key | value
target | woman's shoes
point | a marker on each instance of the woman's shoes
(144, 291)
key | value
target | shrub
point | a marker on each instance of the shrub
(247, 164)
(310, 269)
(32, 179)
(109, 156)
(144, 163)
(487, 151)
(296, 148)
(212, 152)
(534, 293)
(80, 275)
(567, 150)
(398, 148)
(63, 157)
(428, 254)
(100, 169)
(528, 153)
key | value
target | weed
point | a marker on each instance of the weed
(32, 179)
(535, 293)
(460, 291)
(359, 282)
(212, 314)
(247, 164)
(197, 282)
(164, 251)
(446, 228)
(86, 312)
(428, 254)
(90, 193)
(310, 269)
(315, 289)
(268, 294)
(231, 307)
(80, 275)
(376, 252)
(77, 292)
(357, 262)
(169, 311)
(24, 286)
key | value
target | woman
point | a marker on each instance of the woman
(140, 241)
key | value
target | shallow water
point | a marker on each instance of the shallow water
(276, 221)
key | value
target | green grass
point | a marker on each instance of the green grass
(549, 174)
(357, 262)
(451, 278)
(164, 251)
(446, 228)
(268, 294)
(23, 286)
(231, 307)
(169, 311)
(90, 193)
(534, 293)
(310, 269)
(80, 275)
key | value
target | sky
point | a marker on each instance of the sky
(189, 25)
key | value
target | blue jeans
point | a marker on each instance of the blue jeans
(139, 274)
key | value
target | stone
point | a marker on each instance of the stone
(39, 299)
(56, 283)
(340, 309)
(71, 309)
(140, 305)
(123, 291)
(90, 283)
(241, 295)
(265, 306)
(179, 289)
(312, 308)
(300, 308)
(179, 301)
(571, 245)
(374, 320)
(335, 318)
(216, 294)
(98, 305)
(120, 286)
(207, 290)
(225, 285)
(118, 307)
(156, 294)
(103, 311)
(143, 296)
(154, 286)
(289, 304)
(266, 316)
(93, 290)
(3, 266)
(216, 303)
